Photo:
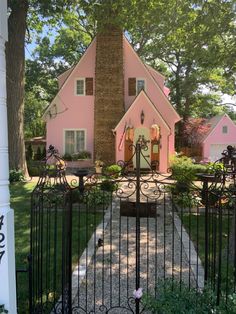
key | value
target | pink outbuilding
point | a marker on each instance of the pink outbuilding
(222, 133)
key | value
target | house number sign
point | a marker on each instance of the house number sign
(2, 238)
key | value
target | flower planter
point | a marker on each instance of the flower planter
(81, 163)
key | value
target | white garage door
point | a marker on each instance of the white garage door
(216, 150)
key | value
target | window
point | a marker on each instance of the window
(135, 86)
(140, 85)
(74, 141)
(84, 86)
(225, 129)
(80, 87)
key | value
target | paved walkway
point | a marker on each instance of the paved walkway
(109, 281)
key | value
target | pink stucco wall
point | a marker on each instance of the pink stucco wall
(78, 110)
(218, 137)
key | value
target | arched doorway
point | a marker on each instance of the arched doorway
(145, 158)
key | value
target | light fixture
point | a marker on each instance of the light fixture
(142, 117)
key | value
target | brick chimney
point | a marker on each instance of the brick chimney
(109, 91)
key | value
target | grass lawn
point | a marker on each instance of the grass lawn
(20, 202)
(195, 226)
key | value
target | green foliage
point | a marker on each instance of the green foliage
(113, 171)
(170, 299)
(34, 168)
(184, 172)
(29, 152)
(187, 200)
(67, 157)
(44, 152)
(34, 108)
(16, 175)
(96, 196)
(81, 155)
(108, 185)
(215, 167)
(38, 155)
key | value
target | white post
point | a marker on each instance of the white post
(7, 242)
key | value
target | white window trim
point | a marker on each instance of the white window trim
(75, 86)
(64, 138)
(145, 84)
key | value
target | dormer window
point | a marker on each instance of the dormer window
(224, 129)
(84, 86)
(140, 85)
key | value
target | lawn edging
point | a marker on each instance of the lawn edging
(189, 249)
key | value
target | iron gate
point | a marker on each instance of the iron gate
(101, 242)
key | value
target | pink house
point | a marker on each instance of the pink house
(221, 134)
(148, 112)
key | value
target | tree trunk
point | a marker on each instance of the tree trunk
(15, 66)
(109, 91)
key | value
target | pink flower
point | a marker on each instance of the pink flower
(138, 293)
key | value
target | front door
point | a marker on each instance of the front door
(145, 157)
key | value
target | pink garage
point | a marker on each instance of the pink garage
(221, 134)
(148, 111)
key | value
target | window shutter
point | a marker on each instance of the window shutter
(132, 86)
(89, 85)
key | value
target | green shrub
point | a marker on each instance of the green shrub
(96, 197)
(33, 169)
(29, 153)
(81, 155)
(215, 167)
(67, 157)
(108, 186)
(38, 155)
(184, 172)
(44, 153)
(114, 171)
(170, 299)
(187, 200)
(16, 175)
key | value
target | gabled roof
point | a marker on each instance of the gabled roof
(213, 123)
(141, 94)
(150, 68)
(70, 72)
(65, 74)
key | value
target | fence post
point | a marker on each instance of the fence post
(206, 195)
(138, 152)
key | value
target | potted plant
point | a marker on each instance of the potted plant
(98, 166)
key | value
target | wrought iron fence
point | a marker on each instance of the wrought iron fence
(102, 241)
